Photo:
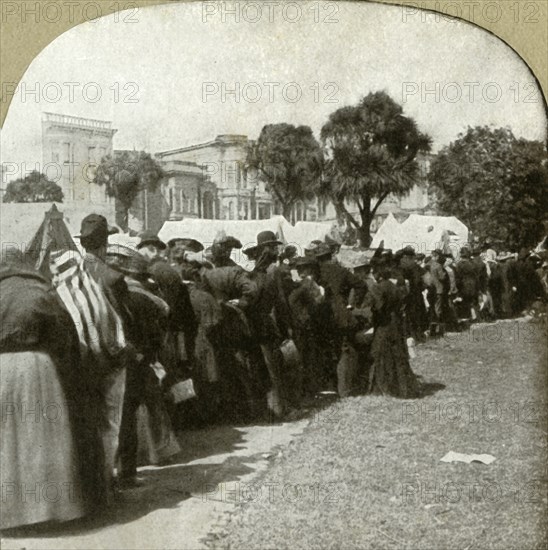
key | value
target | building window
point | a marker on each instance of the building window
(91, 154)
(231, 210)
(171, 198)
(66, 152)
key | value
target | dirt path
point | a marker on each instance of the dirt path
(182, 502)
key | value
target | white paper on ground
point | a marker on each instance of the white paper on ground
(452, 456)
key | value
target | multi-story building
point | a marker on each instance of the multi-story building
(215, 178)
(72, 147)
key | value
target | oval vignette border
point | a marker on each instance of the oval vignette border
(21, 42)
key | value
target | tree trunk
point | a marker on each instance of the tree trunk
(364, 233)
(286, 211)
(122, 215)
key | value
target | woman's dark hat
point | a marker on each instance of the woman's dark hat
(190, 244)
(318, 249)
(149, 237)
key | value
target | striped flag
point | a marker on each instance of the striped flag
(98, 324)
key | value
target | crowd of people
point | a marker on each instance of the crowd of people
(116, 351)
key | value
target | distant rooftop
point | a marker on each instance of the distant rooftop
(80, 122)
(222, 139)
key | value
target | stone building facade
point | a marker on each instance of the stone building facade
(214, 177)
(72, 147)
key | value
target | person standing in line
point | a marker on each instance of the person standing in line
(390, 373)
(50, 468)
(339, 282)
(269, 315)
(440, 289)
(468, 284)
(109, 385)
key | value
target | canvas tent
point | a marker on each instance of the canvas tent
(423, 233)
(205, 231)
(303, 233)
(37, 235)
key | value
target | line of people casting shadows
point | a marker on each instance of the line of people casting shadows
(130, 346)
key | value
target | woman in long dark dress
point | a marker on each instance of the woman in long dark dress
(390, 373)
(43, 443)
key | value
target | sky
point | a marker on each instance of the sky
(164, 74)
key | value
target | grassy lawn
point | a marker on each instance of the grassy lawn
(367, 473)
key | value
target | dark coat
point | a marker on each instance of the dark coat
(230, 283)
(33, 318)
(481, 273)
(467, 279)
(269, 314)
(338, 282)
(181, 316)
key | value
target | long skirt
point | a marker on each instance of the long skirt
(40, 477)
(391, 373)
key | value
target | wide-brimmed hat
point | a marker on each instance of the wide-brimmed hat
(264, 238)
(318, 249)
(190, 244)
(120, 250)
(150, 237)
(137, 265)
(267, 237)
(227, 240)
(94, 231)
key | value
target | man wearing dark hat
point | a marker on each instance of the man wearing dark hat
(221, 250)
(270, 317)
(234, 292)
(110, 388)
(150, 245)
(340, 325)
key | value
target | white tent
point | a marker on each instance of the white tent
(388, 231)
(205, 232)
(423, 233)
(303, 233)
(20, 221)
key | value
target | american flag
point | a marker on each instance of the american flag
(98, 324)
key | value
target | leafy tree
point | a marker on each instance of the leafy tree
(126, 174)
(35, 187)
(289, 159)
(370, 153)
(495, 183)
